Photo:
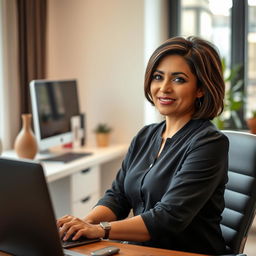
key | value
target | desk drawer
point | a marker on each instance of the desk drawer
(82, 207)
(84, 183)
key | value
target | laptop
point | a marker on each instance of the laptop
(28, 225)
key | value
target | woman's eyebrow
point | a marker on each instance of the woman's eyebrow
(179, 73)
(159, 71)
(173, 73)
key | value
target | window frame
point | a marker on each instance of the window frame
(239, 51)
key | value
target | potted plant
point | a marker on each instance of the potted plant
(251, 122)
(102, 132)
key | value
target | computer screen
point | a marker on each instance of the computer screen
(54, 102)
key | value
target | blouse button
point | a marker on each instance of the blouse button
(151, 165)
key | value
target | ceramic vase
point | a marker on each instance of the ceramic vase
(25, 144)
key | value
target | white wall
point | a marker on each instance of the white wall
(9, 85)
(101, 43)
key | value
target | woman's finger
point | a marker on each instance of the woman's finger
(64, 228)
(73, 232)
(63, 220)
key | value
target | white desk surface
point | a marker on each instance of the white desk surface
(56, 170)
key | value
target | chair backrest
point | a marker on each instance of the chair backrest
(240, 193)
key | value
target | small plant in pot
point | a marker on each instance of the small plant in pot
(102, 132)
(251, 122)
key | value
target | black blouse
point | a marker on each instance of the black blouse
(179, 194)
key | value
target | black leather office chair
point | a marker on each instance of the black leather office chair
(240, 193)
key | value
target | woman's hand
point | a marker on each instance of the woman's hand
(70, 225)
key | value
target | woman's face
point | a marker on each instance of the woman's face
(174, 88)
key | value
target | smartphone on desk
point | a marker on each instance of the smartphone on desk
(110, 250)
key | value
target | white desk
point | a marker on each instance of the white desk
(76, 186)
(55, 171)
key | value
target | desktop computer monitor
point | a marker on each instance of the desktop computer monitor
(53, 105)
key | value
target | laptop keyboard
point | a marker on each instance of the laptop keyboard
(80, 241)
(66, 157)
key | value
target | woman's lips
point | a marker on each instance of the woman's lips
(166, 100)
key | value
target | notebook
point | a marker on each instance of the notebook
(28, 225)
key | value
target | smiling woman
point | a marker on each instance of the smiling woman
(174, 88)
(200, 59)
(173, 176)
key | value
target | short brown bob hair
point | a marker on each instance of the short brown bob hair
(205, 63)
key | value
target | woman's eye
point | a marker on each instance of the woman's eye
(157, 77)
(179, 80)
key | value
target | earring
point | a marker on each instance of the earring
(199, 102)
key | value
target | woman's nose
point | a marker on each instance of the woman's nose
(165, 86)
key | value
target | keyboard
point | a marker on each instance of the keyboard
(80, 241)
(66, 157)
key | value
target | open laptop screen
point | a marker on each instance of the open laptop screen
(27, 225)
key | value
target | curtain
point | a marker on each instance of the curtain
(32, 46)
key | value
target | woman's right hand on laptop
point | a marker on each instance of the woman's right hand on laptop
(71, 226)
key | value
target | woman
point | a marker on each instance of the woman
(173, 176)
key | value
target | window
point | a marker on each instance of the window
(212, 20)
(209, 19)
